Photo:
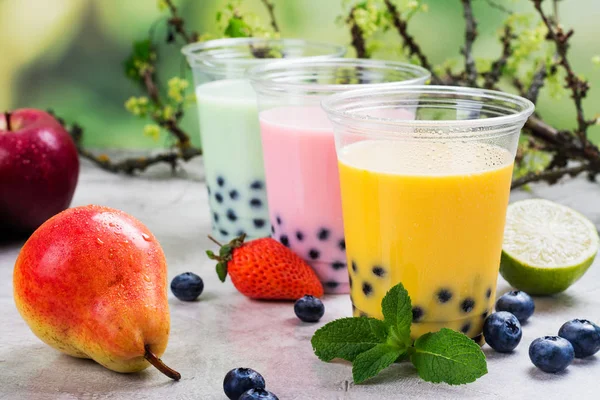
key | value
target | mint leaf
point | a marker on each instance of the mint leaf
(346, 338)
(371, 362)
(448, 356)
(397, 314)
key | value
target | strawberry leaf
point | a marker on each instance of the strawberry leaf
(222, 271)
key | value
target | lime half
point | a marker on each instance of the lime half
(547, 246)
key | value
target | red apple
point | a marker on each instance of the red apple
(39, 167)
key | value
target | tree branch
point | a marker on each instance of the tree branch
(551, 176)
(271, 9)
(409, 42)
(492, 77)
(178, 24)
(358, 39)
(470, 36)
(539, 78)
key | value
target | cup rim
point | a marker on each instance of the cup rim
(333, 103)
(262, 78)
(197, 56)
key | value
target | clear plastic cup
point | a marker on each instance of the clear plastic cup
(424, 200)
(228, 118)
(299, 152)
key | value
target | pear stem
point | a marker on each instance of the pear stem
(160, 365)
(215, 241)
(7, 118)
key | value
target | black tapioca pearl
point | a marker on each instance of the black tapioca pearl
(284, 240)
(300, 236)
(216, 217)
(367, 289)
(256, 185)
(258, 223)
(278, 219)
(342, 244)
(354, 266)
(484, 315)
(332, 284)
(467, 305)
(255, 203)
(337, 265)
(219, 197)
(488, 293)
(231, 215)
(272, 228)
(466, 328)
(223, 232)
(444, 295)
(417, 313)
(378, 271)
(220, 181)
(314, 254)
(234, 194)
(350, 281)
(323, 234)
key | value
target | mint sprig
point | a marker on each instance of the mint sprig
(373, 345)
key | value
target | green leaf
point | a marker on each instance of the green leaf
(210, 254)
(236, 28)
(346, 338)
(222, 271)
(225, 251)
(397, 314)
(448, 356)
(371, 362)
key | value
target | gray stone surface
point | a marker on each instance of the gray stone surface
(225, 330)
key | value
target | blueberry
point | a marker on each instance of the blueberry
(258, 394)
(502, 331)
(583, 335)
(240, 380)
(314, 254)
(300, 236)
(417, 314)
(378, 271)
(342, 245)
(444, 295)
(551, 353)
(187, 286)
(309, 308)
(323, 234)
(518, 303)
(337, 265)
(467, 305)
(367, 288)
(255, 203)
(284, 240)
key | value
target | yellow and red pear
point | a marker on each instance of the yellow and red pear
(92, 283)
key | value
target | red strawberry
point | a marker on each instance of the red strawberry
(265, 269)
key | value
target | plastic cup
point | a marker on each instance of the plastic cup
(229, 126)
(299, 152)
(424, 200)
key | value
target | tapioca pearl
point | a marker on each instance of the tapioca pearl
(331, 284)
(220, 181)
(337, 265)
(465, 328)
(256, 185)
(273, 229)
(299, 236)
(314, 254)
(444, 295)
(354, 267)
(342, 244)
(367, 289)
(234, 194)
(485, 314)
(323, 234)
(278, 219)
(255, 203)
(223, 232)
(417, 313)
(378, 271)
(284, 240)
(350, 281)
(216, 217)
(488, 293)
(231, 215)
(259, 223)
(219, 197)
(467, 305)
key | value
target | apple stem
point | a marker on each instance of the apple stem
(160, 365)
(7, 117)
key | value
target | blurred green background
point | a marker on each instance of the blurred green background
(68, 54)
